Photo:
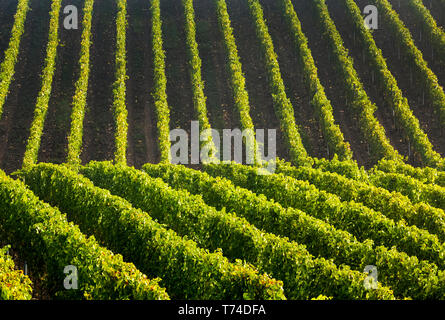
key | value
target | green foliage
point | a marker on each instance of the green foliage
(347, 168)
(237, 80)
(35, 136)
(303, 275)
(358, 100)
(428, 80)
(119, 87)
(160, 83)
(405, 275)
(320, 102)
(283, 107)
(187, 271)
(433, 32)
(426, 175)
(7, 68)
(80, 95)
(45, 238)
(313, 227)
(392, 94)
(412, 188)
(14, 285)
(194, 62)
(392, 204)
(362, 222)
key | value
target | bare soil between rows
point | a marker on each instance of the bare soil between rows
(292, 74)
(142, 129)
(54, 143)
(383, 113)
(7, 11)
(18, 110)
(99, 128)
(410, 84)
(330, 78)
(261, 104)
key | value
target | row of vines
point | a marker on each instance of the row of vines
(230, 231)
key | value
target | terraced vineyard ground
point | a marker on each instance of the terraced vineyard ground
(94, 206)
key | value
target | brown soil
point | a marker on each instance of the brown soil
(409, 83)
(19, 107)
(292, 75)
(7, 11)
(437, 10)
(179, 88)
(330, 78)
(99, 128)
(422, 41)
(34, 272)
(384, 114)
(220, 103)
(53, 147)
(261, 105)
(142, 119)
(32, 51)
